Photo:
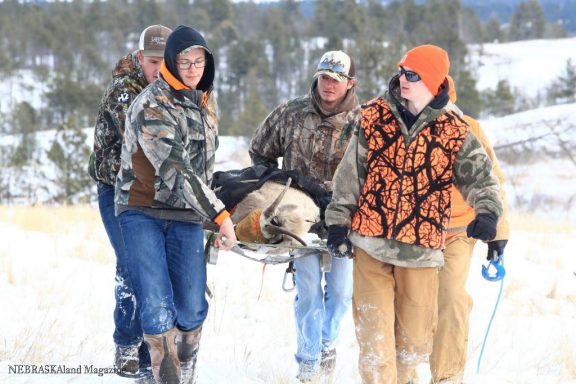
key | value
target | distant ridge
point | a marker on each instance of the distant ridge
(554, 10)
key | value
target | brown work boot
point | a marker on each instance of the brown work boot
(187, 345)
(165, 364)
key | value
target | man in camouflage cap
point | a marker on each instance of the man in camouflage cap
(311, 133)
(130, 76)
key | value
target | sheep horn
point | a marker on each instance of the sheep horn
(269, 212)
(275, 230)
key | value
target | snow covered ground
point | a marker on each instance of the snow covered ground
(56, 290)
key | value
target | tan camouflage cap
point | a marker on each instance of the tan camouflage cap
(153, 40)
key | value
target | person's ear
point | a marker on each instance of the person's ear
(351, 83)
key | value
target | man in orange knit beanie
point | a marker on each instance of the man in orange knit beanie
(430, 62)
(391, 201)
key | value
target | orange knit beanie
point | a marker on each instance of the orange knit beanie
(430, 62)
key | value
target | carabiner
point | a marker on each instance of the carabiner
(497, 263)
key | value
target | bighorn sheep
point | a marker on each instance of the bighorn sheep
(287, 212)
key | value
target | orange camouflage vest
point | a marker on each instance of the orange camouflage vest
(406, 194)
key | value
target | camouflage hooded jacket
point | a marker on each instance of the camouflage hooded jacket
(310, 140)
(168, 154)
(393, 184)
(127, 82)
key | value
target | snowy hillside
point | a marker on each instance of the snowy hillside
(537, 153)
(528, 66)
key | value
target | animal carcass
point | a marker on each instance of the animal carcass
(284, 213)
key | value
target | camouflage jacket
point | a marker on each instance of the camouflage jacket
(462, 213)
(127, 82)
(310, 140)
(472, 175)
(168, 153)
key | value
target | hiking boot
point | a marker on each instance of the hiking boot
(328, 361)
(308, 371)
(126, 360)
(187, 345)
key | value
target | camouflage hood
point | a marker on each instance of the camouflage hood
(350, 101)
(181, 38)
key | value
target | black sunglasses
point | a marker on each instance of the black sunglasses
(411, 76)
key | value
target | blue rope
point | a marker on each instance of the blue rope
(491, 318)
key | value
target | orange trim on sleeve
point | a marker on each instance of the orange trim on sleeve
(219, 218)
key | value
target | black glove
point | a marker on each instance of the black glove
(322, 202)
(319, 229)
(338, 243)
(498, 246)
(483, 227)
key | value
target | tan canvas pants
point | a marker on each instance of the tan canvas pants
(449, 351)
(394, 312)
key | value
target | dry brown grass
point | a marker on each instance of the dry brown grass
(89, 240)
(49, 219)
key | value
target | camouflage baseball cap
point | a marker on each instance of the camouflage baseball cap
(153, 40)
(337, 65)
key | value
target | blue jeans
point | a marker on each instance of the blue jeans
(319, 311)
(167, 265)
(127, 329)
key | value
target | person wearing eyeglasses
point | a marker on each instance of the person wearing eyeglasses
(130, 76)
(163, 197)
(311, 133)
(390, 210)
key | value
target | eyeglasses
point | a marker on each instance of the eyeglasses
(333, 66)
(185, 65)
(411, 76)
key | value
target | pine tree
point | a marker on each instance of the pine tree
(253, 112)
(492, 30)
(24, 123)
(469, 99)
(499, 102)
(471, 26)
(563, 90)
(528, 21)
(69, 153)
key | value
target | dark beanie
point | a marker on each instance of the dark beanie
(184, 37)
